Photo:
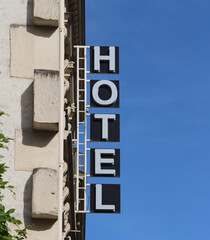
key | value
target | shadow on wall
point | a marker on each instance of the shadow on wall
(39, 139)
(32, 137)
(29, 15)
(36, 224)
(41, 31)
(27, 103)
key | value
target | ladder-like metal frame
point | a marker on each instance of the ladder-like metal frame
(81, 155)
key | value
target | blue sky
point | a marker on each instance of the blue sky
(165, 117)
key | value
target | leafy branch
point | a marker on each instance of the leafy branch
(6, 217)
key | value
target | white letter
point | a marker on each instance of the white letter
(105, 118)
(99, 161)
(99, 205)
(98, 57)
(95, 92)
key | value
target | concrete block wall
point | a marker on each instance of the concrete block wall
(45, 193)
(46, 100)
(46, 12)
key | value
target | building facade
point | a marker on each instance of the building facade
(30, 76)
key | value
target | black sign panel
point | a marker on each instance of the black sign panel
(105, 128)
(105, 162)
(104, 60)
(104, 93)
(105, 198)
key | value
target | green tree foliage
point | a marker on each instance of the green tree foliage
(6, 217)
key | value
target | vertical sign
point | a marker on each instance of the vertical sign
(105, 198)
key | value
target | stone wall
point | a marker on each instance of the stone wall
(17, 100)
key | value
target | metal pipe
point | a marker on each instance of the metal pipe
(61, 118)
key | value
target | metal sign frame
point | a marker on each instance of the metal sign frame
(81, 140)
(112, 122)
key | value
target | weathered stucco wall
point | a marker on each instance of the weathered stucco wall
(33, 48)
(16, 99)
(36, 149)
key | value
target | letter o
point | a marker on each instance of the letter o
(95, 92)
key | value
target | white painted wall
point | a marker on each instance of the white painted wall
(15, 95)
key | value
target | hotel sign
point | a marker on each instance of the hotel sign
(104, 162)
